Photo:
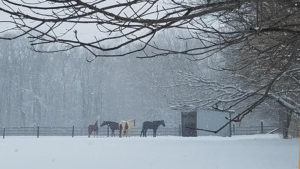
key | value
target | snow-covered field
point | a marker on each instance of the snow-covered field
(239, 152)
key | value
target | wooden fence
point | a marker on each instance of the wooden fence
(74, 131)
(249, 130)
(79, 131)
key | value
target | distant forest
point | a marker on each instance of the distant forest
(63, 89)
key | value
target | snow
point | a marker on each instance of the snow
(206, 152)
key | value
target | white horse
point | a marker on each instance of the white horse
(125, 127)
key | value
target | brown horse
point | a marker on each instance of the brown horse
(93, 128)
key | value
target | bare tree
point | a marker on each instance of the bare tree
(123, 23)
(261, 66)
(214, 24)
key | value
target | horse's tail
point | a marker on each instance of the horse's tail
(120, 128)
(89, 133)
(143, 130)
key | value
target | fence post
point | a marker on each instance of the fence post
(107, 131)
(261, 127)
(180, 134)
(38, 132)
(73, 131)
(3, 132)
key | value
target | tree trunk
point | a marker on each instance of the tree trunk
(286, 125)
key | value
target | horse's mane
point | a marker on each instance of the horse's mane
(110, 121)
(158, 121)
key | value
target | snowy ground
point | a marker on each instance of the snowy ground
(239, 152)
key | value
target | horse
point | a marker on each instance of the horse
(125, 127)
(93, 128)
(112, 125)
(151, 125)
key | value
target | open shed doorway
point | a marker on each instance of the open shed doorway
(189, 119)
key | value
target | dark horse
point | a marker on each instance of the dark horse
(151, 125)
(112, 125)
(93, 128)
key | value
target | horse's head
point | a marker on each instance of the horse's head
(103, 123)
(163, 123)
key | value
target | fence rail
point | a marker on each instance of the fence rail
(237, 130)
(73, 131)
(80, 131)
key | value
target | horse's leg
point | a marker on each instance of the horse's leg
(125, 132)
(154, 132)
